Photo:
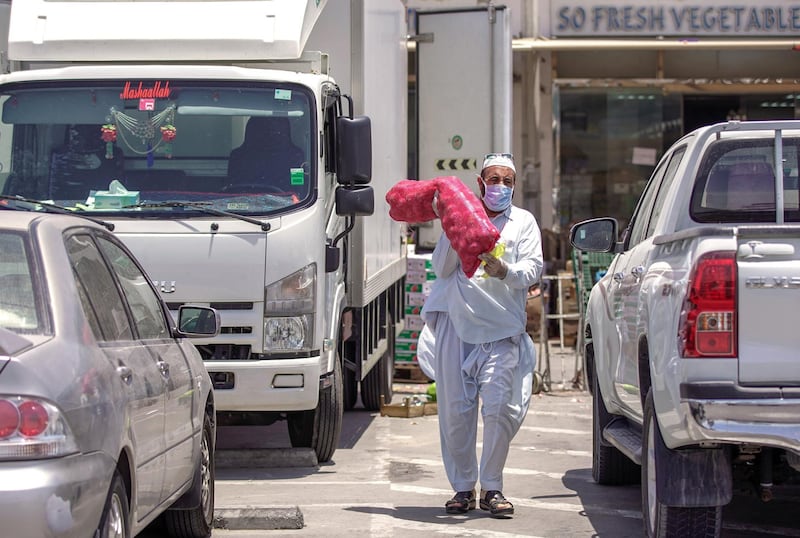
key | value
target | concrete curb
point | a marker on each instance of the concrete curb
(258, 518)
(260, 458)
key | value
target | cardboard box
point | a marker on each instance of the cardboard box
(420, 277)
(408, 334)
(422, 287)
(415, 299)
(401, 346)
(405, 356)
(418, 264)
(413, 322)
(413, 310)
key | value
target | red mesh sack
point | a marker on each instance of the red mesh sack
(465, 222)
(411, 201)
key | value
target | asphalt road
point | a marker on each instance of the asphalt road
(386, 479)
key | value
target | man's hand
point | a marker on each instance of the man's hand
(494, 266)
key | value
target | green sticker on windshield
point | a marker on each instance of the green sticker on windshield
(285, 95)
(297, 177)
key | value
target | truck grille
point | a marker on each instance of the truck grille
(218, 306)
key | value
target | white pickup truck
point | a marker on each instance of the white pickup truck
(693, 335)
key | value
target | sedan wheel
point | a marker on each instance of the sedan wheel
(197, 522)
(114, 523)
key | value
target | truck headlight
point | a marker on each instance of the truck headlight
(289, 311)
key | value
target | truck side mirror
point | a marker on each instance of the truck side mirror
(354, 149)
(357, 201)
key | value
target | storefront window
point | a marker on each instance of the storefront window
(609, 140)
(609, 143)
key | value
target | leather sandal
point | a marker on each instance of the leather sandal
(461, 503)
(496, 503)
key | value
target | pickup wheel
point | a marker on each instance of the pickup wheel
(320, 428)
(376, 388)
(661, 521)
(610, 467)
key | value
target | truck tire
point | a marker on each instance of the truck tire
(378, 381)
(610, 467)
(197, 522)
(661, 521)
(320, 428)
(350, 389)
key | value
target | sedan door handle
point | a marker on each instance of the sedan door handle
(164, 367)
(125, 374)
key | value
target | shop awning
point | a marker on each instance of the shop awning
(535, 44)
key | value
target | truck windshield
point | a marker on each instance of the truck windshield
(121, 146)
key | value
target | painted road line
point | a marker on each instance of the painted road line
(582, 453)
(506, 470)
(529, 503)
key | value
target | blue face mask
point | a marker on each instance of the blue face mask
(497, 197)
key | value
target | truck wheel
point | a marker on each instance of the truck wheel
(378, 381)
(320, 428)
(350, 388)
(197, 522)
(610, 467)
(664, 521)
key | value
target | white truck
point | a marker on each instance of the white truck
(241, 173)
(692, 335)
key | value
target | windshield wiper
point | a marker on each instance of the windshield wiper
(54, 208)
(201, 206)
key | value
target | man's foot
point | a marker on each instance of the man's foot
(461, 503)
(494, 502)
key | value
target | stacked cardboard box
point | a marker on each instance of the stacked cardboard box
(419, 279)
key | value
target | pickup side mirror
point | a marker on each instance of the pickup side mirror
(354, 150)
(358, 201)
(197, 322)
(594, 235)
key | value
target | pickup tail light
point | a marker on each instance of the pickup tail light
(708, 326)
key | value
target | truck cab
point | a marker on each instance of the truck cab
(239, 172)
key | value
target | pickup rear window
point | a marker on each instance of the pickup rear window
(736, 182)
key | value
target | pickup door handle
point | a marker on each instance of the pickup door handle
(618, 277)
(125, 374)
(164, 367)
(637, 272)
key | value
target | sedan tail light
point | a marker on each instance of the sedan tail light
(708, 327)
(32, 428)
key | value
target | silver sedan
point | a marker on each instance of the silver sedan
(107, 417)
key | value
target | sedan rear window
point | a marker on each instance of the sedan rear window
(18, 307)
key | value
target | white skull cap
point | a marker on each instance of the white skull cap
(499, 159)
